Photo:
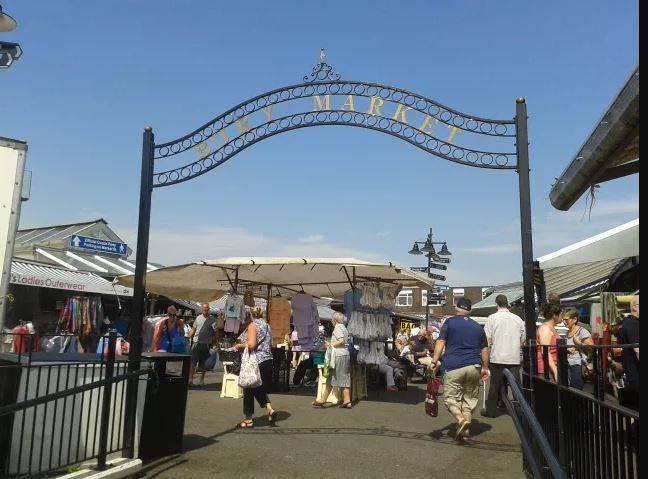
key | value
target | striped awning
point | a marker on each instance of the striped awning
(33, 274)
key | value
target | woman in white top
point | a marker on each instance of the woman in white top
(340, 361)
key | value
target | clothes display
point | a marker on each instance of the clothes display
(81, 315)
(25, 338)
(248, 298)
(279, 312)
(234, 313)
(369, 308)
(306, 320)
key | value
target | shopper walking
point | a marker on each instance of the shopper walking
(341, 361)
(505, 333)
(257, 337)
(204, 330)
(465, 360)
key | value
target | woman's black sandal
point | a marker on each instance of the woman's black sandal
(246, 424)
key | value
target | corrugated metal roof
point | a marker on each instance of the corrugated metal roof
(53, 232)
(39, 275)
(565, 279)
(110, 266)
(562, 280)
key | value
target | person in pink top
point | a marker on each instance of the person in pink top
(547, 336)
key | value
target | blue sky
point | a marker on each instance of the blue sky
(94, 74)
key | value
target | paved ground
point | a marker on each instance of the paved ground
(385, 436)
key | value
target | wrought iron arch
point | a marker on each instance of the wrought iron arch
(323, 82)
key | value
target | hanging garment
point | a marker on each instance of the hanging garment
(279, 312)
(351, 301)
(248, 298)
(25, 339)
(234, 313)
(306, 320)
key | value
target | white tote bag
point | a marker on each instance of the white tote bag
(250, 376)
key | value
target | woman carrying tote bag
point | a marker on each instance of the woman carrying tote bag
(257, 339)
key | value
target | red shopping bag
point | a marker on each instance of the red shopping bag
(432, 396)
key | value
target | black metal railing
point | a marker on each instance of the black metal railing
(58, 411)
(539, 456)
(591, 434)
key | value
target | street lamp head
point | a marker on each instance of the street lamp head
(444, 250)
(415, 249)
(7, 24)
(428, 247)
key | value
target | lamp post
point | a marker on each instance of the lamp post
(431, 253)
(9, 51)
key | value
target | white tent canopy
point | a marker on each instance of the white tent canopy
(320, 277)
(616, 243)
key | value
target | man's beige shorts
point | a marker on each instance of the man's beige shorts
(461, 388)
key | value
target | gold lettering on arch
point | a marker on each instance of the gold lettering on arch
(202, 150)
(348, 104)
(322, 105)
(267, 111)
(400, 114)
(375, 105)
(243, 124)
(225, 136)
(453, 132)
(428, 124)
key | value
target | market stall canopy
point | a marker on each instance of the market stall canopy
(577, 269)
(616, 243)
(319, 277)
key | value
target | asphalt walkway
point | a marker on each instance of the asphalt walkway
(385, 436)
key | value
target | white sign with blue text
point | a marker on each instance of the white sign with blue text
(96, 245)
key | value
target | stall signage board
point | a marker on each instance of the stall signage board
(419, 269)
(436, 276)
(96, 245)
(438, 266)
(407, 325)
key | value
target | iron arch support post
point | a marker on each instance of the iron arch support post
(135, 337)
(522, 150)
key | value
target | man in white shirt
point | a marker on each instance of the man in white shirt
(505, 333)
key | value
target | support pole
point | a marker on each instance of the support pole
(427, 301)
(522, 151)
(135, 338)
(106, 400)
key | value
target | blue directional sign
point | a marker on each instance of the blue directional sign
(96, 245)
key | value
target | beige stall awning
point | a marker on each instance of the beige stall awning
(320, 277)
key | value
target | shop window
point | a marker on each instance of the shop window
(405, 298)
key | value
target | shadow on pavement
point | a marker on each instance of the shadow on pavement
(476, 428)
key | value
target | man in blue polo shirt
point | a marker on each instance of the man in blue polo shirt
(465, 361)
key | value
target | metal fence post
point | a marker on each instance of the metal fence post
(107, 400)
(562, 380)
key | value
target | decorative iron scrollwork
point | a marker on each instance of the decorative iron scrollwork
(322, 72)
(426, 142)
